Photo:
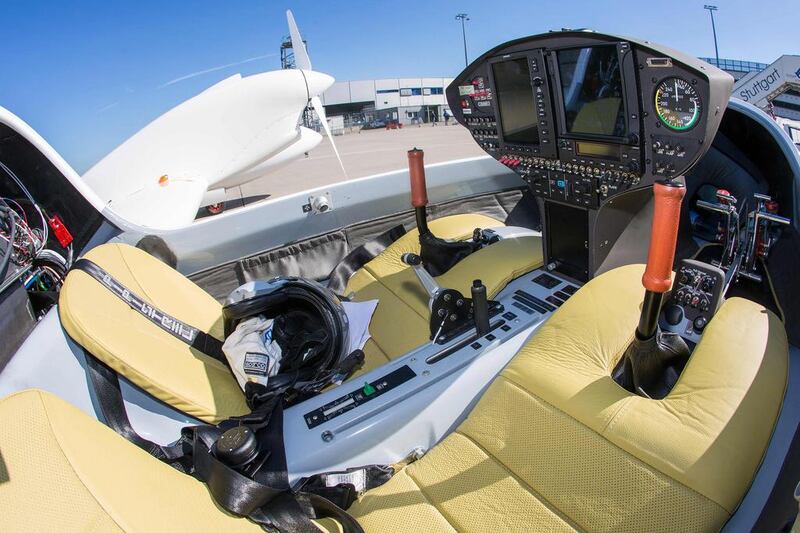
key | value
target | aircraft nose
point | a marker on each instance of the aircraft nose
(317, 82)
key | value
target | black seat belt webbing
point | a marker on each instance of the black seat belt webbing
(337, 280)
(106, 387)
(289, 513)
(194, 337)
(266, 498)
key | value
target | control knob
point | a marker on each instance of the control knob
(700, 323)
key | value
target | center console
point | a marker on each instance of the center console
(587, 120)
(415, 400)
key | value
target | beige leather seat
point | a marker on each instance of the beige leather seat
(553, 445)
(63, 471)
(556, 445)
(203, 387)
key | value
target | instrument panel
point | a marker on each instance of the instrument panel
(590, 121)
(583, 116)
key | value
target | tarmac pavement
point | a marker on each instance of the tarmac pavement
(363, 153)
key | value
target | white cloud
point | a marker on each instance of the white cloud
(106, 107)
(214, 69)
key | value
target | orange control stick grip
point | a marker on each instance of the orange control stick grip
(666, 218)
(416, 172)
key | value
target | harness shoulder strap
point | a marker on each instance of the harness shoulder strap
(194, 337)
(337, 280)
(109, 397)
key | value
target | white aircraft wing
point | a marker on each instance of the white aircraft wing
(227, 130)
(171, 205)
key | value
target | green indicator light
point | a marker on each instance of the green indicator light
(368, 389)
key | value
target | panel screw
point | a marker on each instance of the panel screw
(327, 436)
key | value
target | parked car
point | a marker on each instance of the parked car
(374, 125)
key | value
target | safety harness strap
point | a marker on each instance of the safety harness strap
(337, 280)
(290, 513)
(194, 337)
(265, 495)
(109, 396)
(266, 500)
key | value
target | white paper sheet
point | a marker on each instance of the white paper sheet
(359, 314)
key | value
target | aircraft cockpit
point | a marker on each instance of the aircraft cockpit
(593, 328)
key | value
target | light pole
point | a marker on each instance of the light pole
(711, 10)
(463, 17)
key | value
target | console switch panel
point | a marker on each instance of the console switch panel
(697, 290)
(351, 400)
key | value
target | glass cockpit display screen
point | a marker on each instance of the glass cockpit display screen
(512, 84)
(591, 88)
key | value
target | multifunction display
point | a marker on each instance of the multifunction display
(512, 81)
(591, 89)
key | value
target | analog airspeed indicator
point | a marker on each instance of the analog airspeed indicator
(678, 105)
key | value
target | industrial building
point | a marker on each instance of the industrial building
(403, 100)
(738, 68)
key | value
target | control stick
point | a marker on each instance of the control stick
(657, 277)
(648, 363)
(419, 189)
(438, 255)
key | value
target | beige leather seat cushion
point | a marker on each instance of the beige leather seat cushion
(63, 471)
(555, 444)
(151, 358)
(401, 321)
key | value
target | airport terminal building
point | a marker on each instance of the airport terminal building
(776, 90)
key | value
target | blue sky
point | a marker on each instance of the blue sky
(88, 74)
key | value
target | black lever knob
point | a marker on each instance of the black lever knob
(411, 259)
(480, 307)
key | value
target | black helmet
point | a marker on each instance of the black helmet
(310, 325)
